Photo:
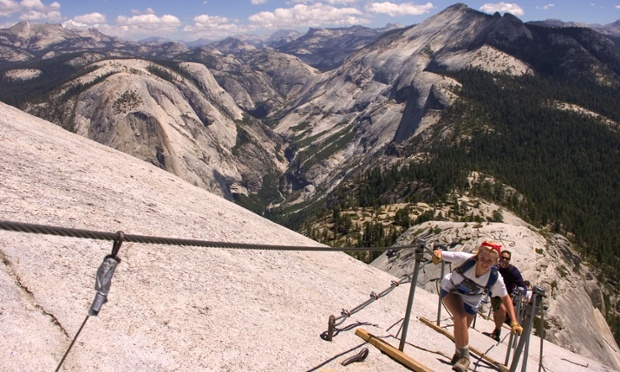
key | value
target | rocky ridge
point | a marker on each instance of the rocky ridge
(187, 127)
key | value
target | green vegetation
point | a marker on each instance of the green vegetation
(243, 137)
(565, 165)
(56, 72)
(301, 127)
(128, 101)
(162, 72)
(258, 203)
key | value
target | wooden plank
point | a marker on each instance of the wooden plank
(392, 352)
(472, 349)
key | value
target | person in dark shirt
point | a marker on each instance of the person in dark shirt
(512, 279)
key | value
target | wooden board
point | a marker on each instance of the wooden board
(472, 349)
(392, 352)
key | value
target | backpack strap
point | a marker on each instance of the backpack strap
(471, 263)
(468, 264)
(492, 278)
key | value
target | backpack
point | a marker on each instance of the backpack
(468, 286)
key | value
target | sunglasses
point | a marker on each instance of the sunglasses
(505, 258)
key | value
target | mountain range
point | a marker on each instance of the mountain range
(315, 123)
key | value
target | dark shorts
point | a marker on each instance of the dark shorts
(468, 309)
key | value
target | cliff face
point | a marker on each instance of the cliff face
(190, 127)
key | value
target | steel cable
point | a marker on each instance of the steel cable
(99, 235)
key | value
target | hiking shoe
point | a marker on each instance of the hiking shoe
(494, 335)
(462, 365)
(455, 358)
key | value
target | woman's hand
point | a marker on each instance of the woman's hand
(436, 256)
(516, 328)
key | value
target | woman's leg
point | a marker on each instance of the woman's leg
(462, 320)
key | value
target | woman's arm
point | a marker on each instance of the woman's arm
(510, 309)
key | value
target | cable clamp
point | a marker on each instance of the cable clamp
(116, 246)
(103, 280)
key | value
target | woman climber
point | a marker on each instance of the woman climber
(462, 291)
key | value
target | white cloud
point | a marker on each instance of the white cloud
(37, 16)
(258, 2)
(31, 10)
(396, 10)
(147, 24)
(331, 2)
(340, 2)
(548, 6)
(91, 19)
(212, 27)
(32, 4)
(503, 7)
(545, 7)
(138, 25)
(302, 15)
(8, 7)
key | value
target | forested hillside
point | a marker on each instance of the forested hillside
(563, 164)
(566, 165)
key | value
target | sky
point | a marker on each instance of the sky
(190, 20)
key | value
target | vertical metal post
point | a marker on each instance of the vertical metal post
(527, 330)
(443, 269)
(519, 313)
(419, 253)
(542, 332)
(512, 343)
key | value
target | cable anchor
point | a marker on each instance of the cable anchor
(103, 281)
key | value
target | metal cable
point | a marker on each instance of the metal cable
(344, 313)
(71, 345)
(99, 235)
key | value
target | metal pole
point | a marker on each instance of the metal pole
(419, 252)
(443, 269)
(542, 333)
(512, 343)
(532, 315)
(519, 314)
(527, 330)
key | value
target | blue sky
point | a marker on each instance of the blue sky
(214, 19)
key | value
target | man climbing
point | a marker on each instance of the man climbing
(512, 279)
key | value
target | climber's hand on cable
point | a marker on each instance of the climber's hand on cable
(436, 256)
(516, 328)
